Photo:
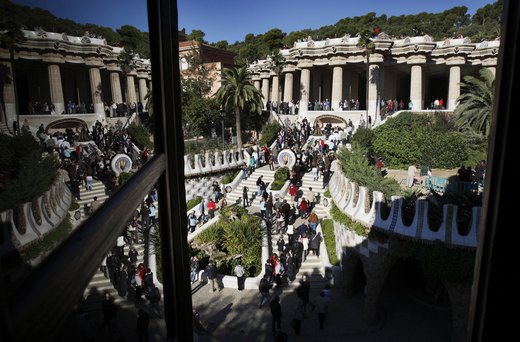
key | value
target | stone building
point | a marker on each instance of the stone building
(212, 58)
(54, 71)
(415, 69)
(58, 69)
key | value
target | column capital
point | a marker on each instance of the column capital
(456, 60)
(416, 59)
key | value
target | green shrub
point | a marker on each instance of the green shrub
(229, 177)
(28, 174)
(193, 202)
(352, 225)
(269, 133)
(437, 260)
(327, 193)
(49, 242)
(364, 137)
(238, 233)
(355, 165)
(140, 135)
(282, 174)
(124, 177)
(74, 206)
(414, 138)
(330, 240)
(277, 184)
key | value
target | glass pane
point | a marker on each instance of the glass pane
(295, 142)
(77, 123)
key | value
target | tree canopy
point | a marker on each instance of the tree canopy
(483, 25)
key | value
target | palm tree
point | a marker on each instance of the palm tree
(365, 42)
(237, 92)
(476, 102)
(10, 35)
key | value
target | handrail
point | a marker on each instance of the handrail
(52, 290)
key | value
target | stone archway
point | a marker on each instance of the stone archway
(333, 119)
(62, 124)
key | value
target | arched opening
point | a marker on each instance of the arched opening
(63, 124)
(409, 292)
(333, 119)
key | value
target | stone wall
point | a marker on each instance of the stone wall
(53, 206)
(343, 192)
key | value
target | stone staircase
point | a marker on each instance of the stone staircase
(308, 182)
(87, 196)
(5, 129)
(236, 195)
(99, 285)
(113, 121)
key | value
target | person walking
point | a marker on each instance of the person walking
(263, 288)
(276, 312)
(143, 320)
(239, 271)
(211, 272)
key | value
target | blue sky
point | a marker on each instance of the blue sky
(231, 20)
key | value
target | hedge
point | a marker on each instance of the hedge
(49, 242)
(140, 136)
(193, 202)
(420, 139)
(330, 240)
(269, 133)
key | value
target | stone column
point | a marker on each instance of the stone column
(265, 90)
(373, 89)
(275, 90)
(257, 84)
(288, 87)
(95, 90)
(143, 91)
(354, 85)
(132, 97)
(454, 87)
(115, 86)
(416, 95)
(337, 87)
(305, 81)
(56, 88)
(9, 99)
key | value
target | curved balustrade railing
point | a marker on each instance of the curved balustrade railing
(213, 162)
(343, 192)
(53, 206)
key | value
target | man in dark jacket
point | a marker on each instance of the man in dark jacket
(263, 288)
(211, 272)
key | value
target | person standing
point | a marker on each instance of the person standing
(211, 272)
(15, 128)
(142, 326)
(239, 271)
(411, 175)
(245, 197)
(276, 312)
(192, 222)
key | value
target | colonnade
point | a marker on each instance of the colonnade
(345, 85)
